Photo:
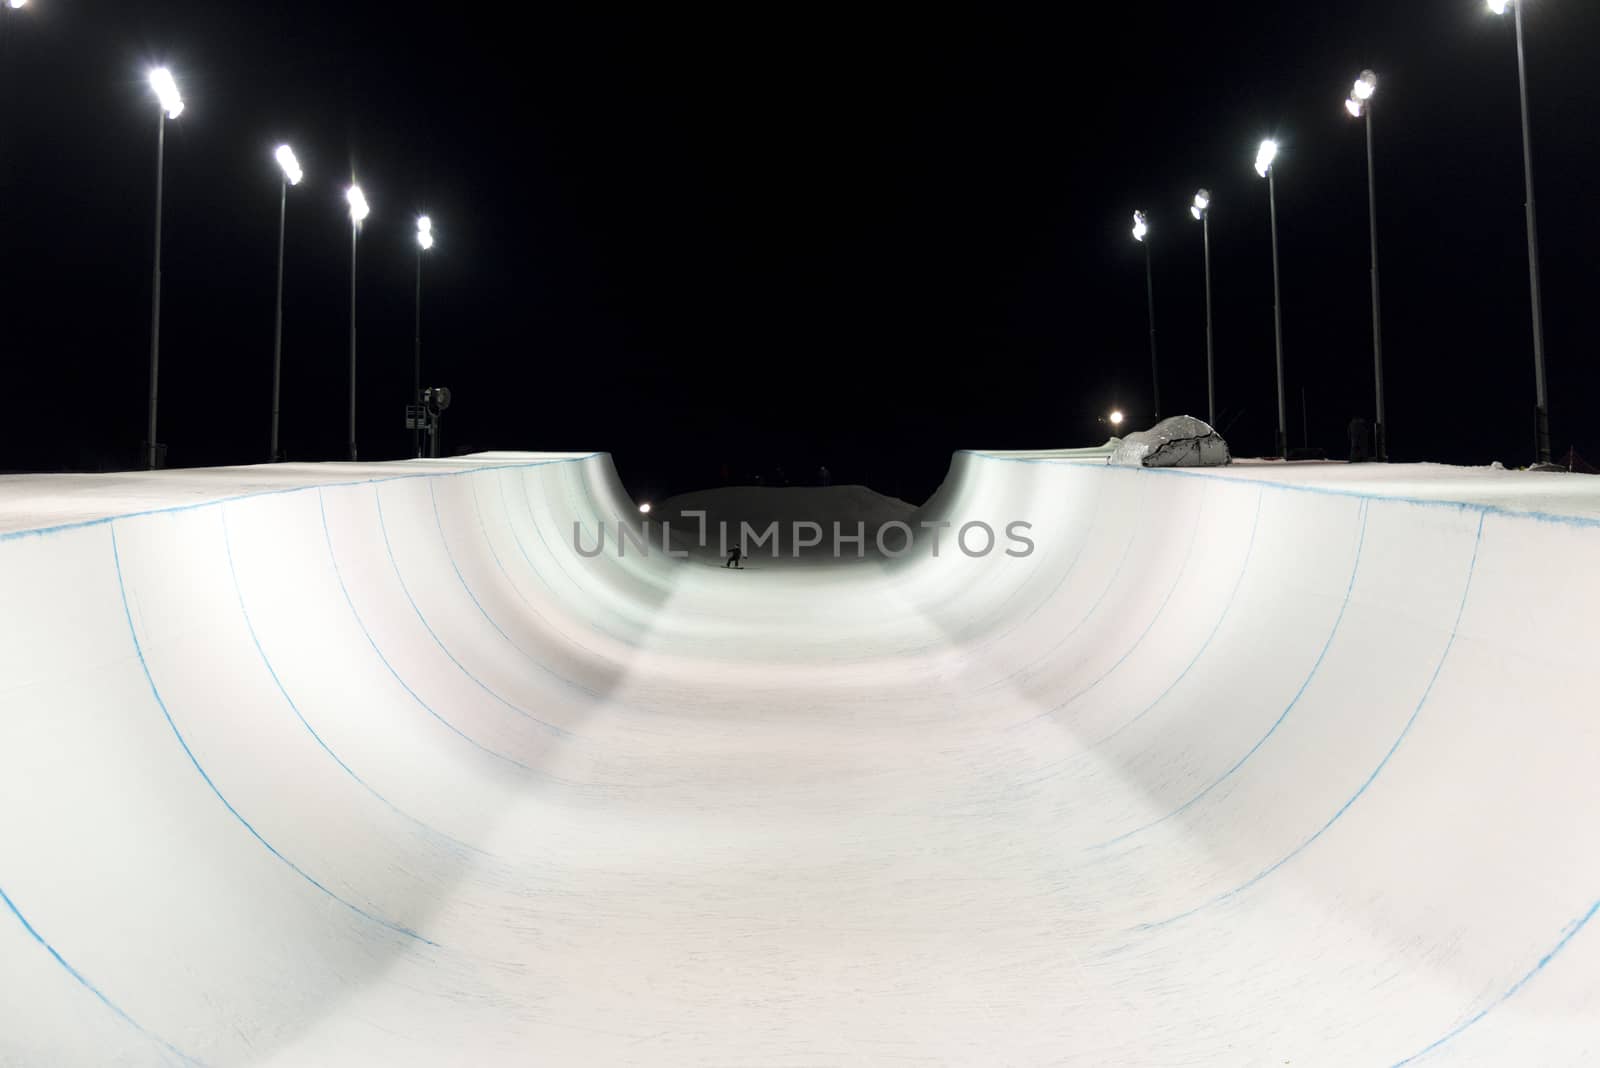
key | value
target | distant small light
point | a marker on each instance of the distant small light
(645, 508)
(1116, 418)
(1141, 228)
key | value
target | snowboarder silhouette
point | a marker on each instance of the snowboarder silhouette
(735, 554)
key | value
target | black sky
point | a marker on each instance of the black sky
(786, 235)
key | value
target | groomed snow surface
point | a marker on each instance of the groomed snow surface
(367, 765)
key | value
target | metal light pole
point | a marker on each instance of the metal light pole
(358, 212)
(1265, 158)
(1141, 233)
(292, 174)
(1201, 210)
(166, 90)
(424, 243)
(1360, 105)
(1541, 414)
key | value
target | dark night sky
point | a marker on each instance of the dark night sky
(787, 235)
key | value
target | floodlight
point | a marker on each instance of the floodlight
(358, 205)
(1141, 228)
(424, 232)
(1201, 205)
(1366, 86)
(1355, 107)
(1265, 157)
(645, 508)
(166, 90)
(16, 4)
(1499, 6)
(291, 166)
(1116, 418)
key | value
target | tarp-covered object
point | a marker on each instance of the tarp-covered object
(1182, 441)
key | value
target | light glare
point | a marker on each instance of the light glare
(1116, 418)
(1499, 6)
(16, 4)
(645, 508)
(1140, 227)
(1201, 205)
(358, 205)
(1265, 157)
(1354, 107)
(1366, 86)
(166, 89)
(291, 166)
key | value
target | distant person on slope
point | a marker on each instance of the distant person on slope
(735, 554)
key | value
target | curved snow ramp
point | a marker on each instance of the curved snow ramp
(1232, 769)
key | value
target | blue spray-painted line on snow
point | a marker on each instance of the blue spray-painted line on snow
(1355, 570)
(1127, 551)
(1177, 581)
(84, 982)
(155, 691)
(227, 543)
(1455, 629)
(518, 709)
(100, 521)
(448, 555)
(505, 573)
(1057, 768)
(533, 520)
(384, 660)
(1569, 933)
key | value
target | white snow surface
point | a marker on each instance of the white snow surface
(366, 765)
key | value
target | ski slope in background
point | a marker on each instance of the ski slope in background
(366, 765)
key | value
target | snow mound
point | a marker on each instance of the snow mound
(1182, 441)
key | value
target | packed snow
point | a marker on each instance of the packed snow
(368, 764)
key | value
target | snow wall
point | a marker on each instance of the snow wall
(385, 772)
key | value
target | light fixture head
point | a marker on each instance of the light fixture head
(358, 205)
(1266, 155)
(424, 232)
(1116, 418)
(291, 166)
(1355, 107)
(166, 90)
(1141, 227)
(1366, 86)
(1201, 205)
(1499, 6)
(644, 508)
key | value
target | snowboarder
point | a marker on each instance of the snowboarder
(735, 554)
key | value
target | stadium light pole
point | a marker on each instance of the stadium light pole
(1541, 415)
(424, 243)
(1201, 210)
(1141, 234)
(292, 175)
(171, 101)
(1266, 157)
(358, 213)
(1360, 106)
